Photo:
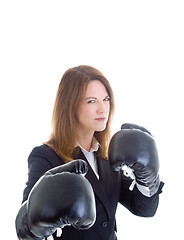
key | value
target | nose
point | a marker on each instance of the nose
(103, 107)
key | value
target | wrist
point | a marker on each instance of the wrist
(22, 228)
(148, 189)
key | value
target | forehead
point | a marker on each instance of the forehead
(95, 88)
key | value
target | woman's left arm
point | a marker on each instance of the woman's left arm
(133, 153)
(135, 201)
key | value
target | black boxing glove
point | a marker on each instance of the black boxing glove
(59, 198)
(133, 150)
(22, 228)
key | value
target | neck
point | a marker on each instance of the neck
(85, 141)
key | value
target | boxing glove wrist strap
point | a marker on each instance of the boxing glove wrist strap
(128, 172)
(58, 234)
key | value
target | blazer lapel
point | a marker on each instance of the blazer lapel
(98, 185)
(98, 189)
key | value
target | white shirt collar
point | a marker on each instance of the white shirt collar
(90, 156)
(94, 146)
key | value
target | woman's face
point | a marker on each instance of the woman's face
(93, 111)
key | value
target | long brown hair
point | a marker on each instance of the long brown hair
(70, 92)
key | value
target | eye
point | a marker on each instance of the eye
(107, 99)
(91, 101)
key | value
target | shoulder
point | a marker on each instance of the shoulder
(45, 155)
(42, 150)
(41, 159)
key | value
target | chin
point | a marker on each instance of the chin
(100, 129)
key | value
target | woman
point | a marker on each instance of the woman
(82, 116)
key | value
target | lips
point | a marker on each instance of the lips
(100, 119)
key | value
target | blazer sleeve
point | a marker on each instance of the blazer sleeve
(135, 201)
(40, 160)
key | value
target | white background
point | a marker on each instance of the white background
(138, 45)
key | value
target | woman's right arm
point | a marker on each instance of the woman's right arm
(33, 221)
(38, 164)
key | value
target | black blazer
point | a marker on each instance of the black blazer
(110, 189)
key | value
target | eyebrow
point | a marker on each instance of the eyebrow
(90, 98)
(95, 97)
